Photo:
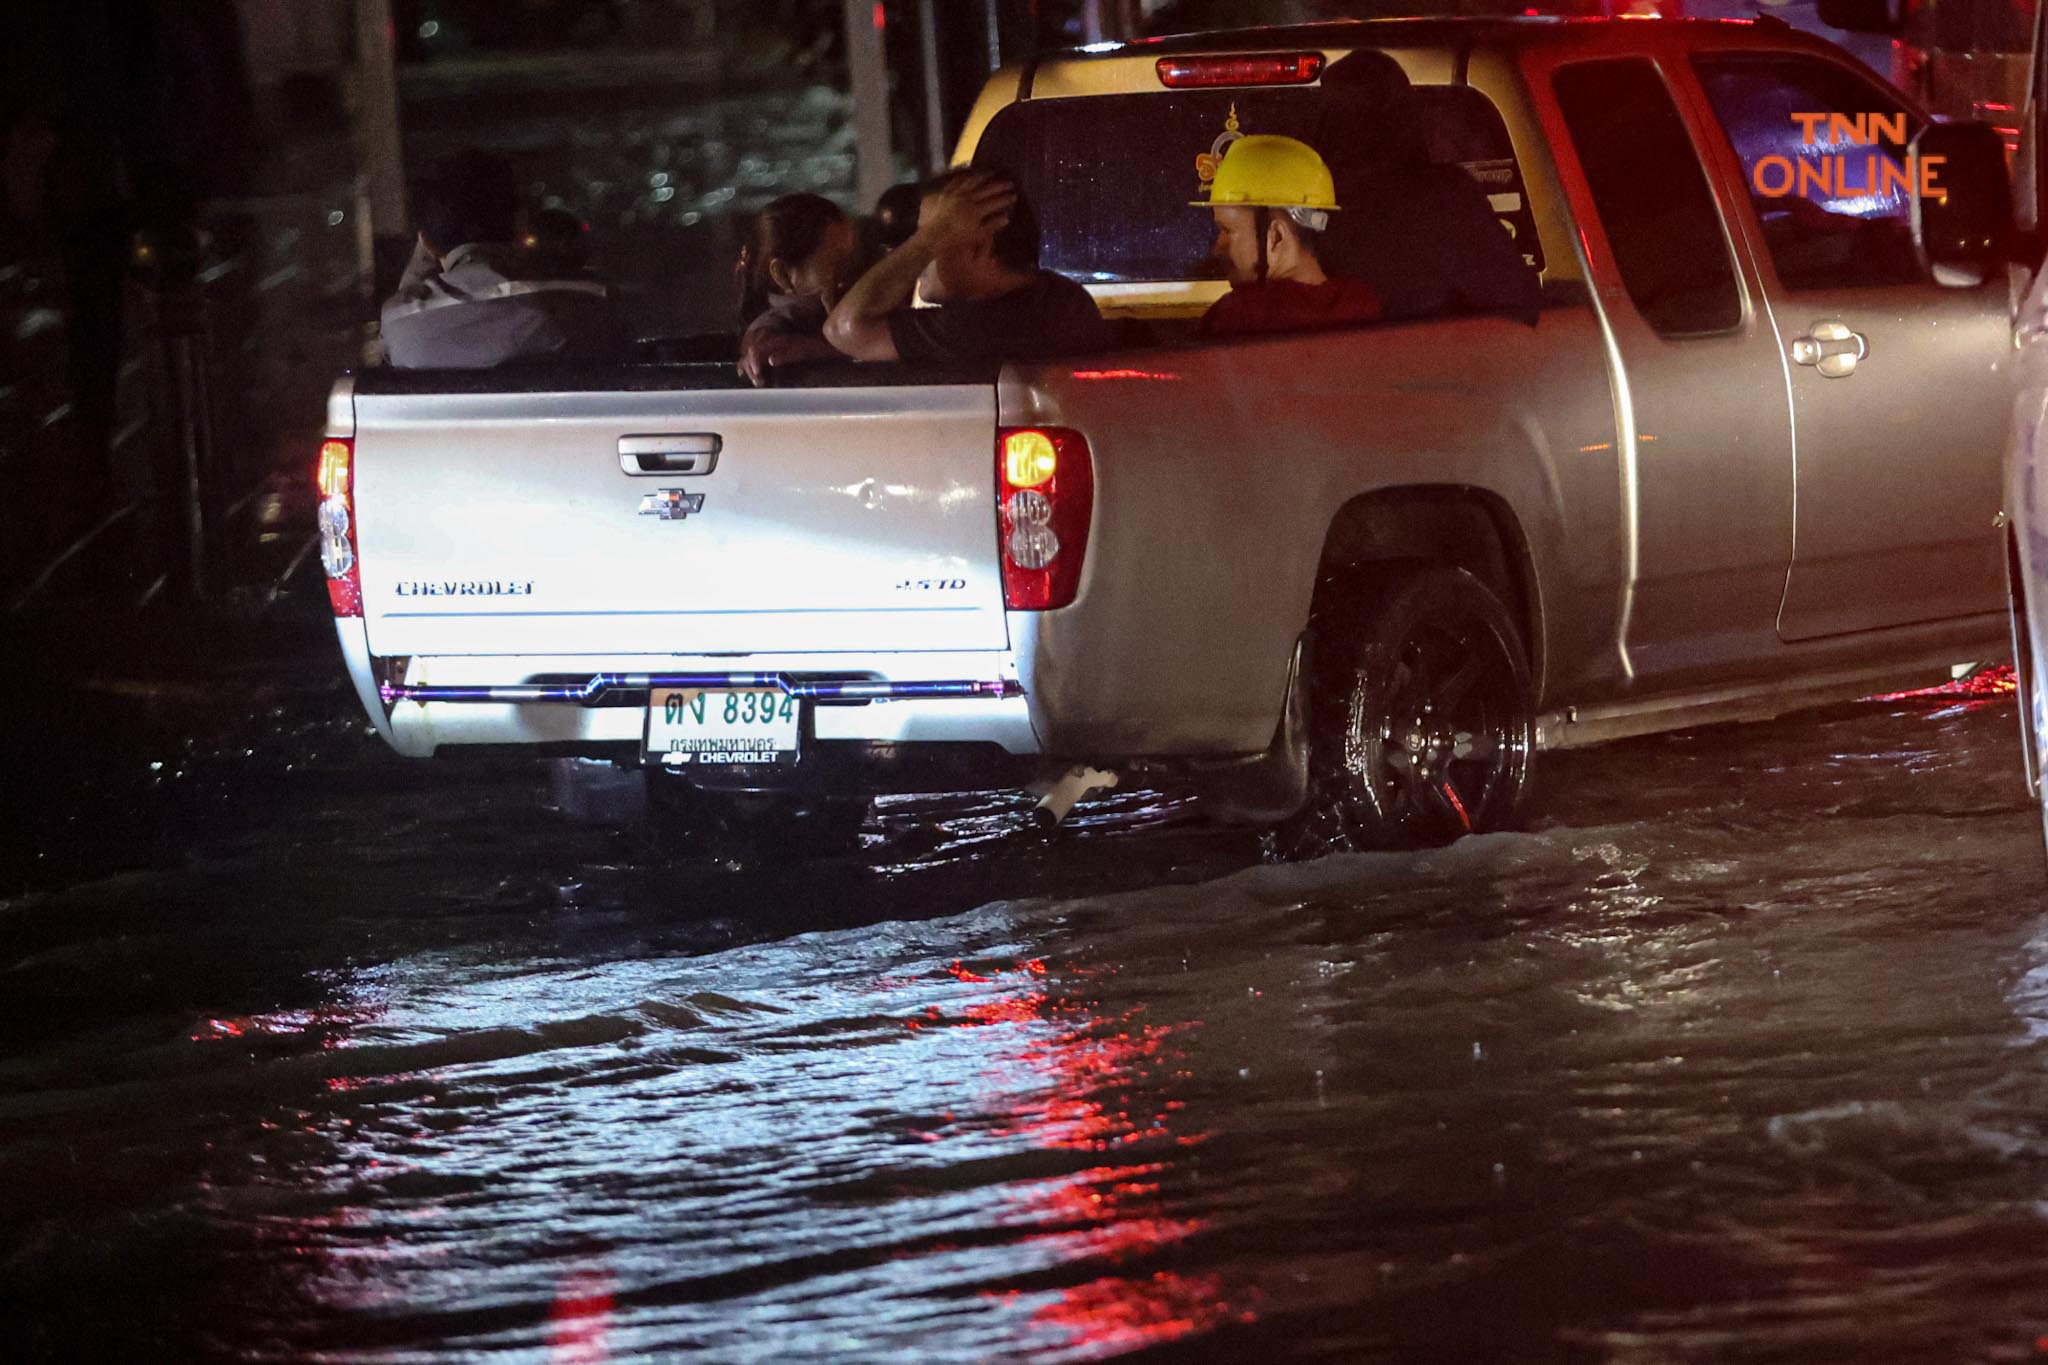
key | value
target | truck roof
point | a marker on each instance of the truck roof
(1129, 67)
(1411, 31)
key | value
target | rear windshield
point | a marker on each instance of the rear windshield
(1113, 176)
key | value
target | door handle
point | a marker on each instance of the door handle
(1833, 349)
(689, 452)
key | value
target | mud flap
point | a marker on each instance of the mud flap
(1266, 788)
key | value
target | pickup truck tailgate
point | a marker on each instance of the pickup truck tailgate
(720, 522)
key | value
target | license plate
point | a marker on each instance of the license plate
(694, 725)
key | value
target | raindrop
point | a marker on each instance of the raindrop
(1478, 1053)
(335, 217)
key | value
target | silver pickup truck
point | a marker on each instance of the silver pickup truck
(1343, 583)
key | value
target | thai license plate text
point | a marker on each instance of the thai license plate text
(696, 725)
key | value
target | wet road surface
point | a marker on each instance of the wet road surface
(312, 1053)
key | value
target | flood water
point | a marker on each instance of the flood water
(1741, 1054)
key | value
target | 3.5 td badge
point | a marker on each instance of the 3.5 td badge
(671, 504)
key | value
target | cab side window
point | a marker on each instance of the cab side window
(1832, 193)
(1651, 194)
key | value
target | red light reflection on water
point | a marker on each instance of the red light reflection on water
(1997, 681)
(329, 1024)
(580, 1318)
(1114, 1315)
(1068, 1080)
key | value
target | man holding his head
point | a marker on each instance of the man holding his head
(975, 254)
(472, 296)
(1273, 198)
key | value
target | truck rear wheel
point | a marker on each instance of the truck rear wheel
(1421, 718)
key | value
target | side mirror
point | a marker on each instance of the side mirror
(1963, 230)
(1859, 16)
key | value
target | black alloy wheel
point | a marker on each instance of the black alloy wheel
(1421, 718)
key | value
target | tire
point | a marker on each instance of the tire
(1421, 718)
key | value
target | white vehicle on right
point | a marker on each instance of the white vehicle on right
(2026, 481)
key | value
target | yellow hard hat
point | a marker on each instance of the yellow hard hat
(1264, 171)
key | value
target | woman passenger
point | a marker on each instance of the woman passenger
(791, 271)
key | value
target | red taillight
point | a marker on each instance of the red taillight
(1045, 484)
(337, 518)
(1264, 68)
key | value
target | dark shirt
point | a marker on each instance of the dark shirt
(1049, 317)
(1289, 306)
(1428, 242)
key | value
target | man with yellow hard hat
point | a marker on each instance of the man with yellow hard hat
(1273, 197)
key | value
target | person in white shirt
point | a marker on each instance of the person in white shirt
(472, 297)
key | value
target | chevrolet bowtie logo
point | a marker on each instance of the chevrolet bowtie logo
(671, 504)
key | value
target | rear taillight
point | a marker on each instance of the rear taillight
(336, 477)
(1046, 483)
(1263, 68)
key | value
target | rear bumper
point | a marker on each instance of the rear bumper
(572, 703)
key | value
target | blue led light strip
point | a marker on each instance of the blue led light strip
(625, 689)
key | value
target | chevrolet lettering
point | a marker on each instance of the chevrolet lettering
(470, 587)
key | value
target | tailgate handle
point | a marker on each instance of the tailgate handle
(690, 452)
